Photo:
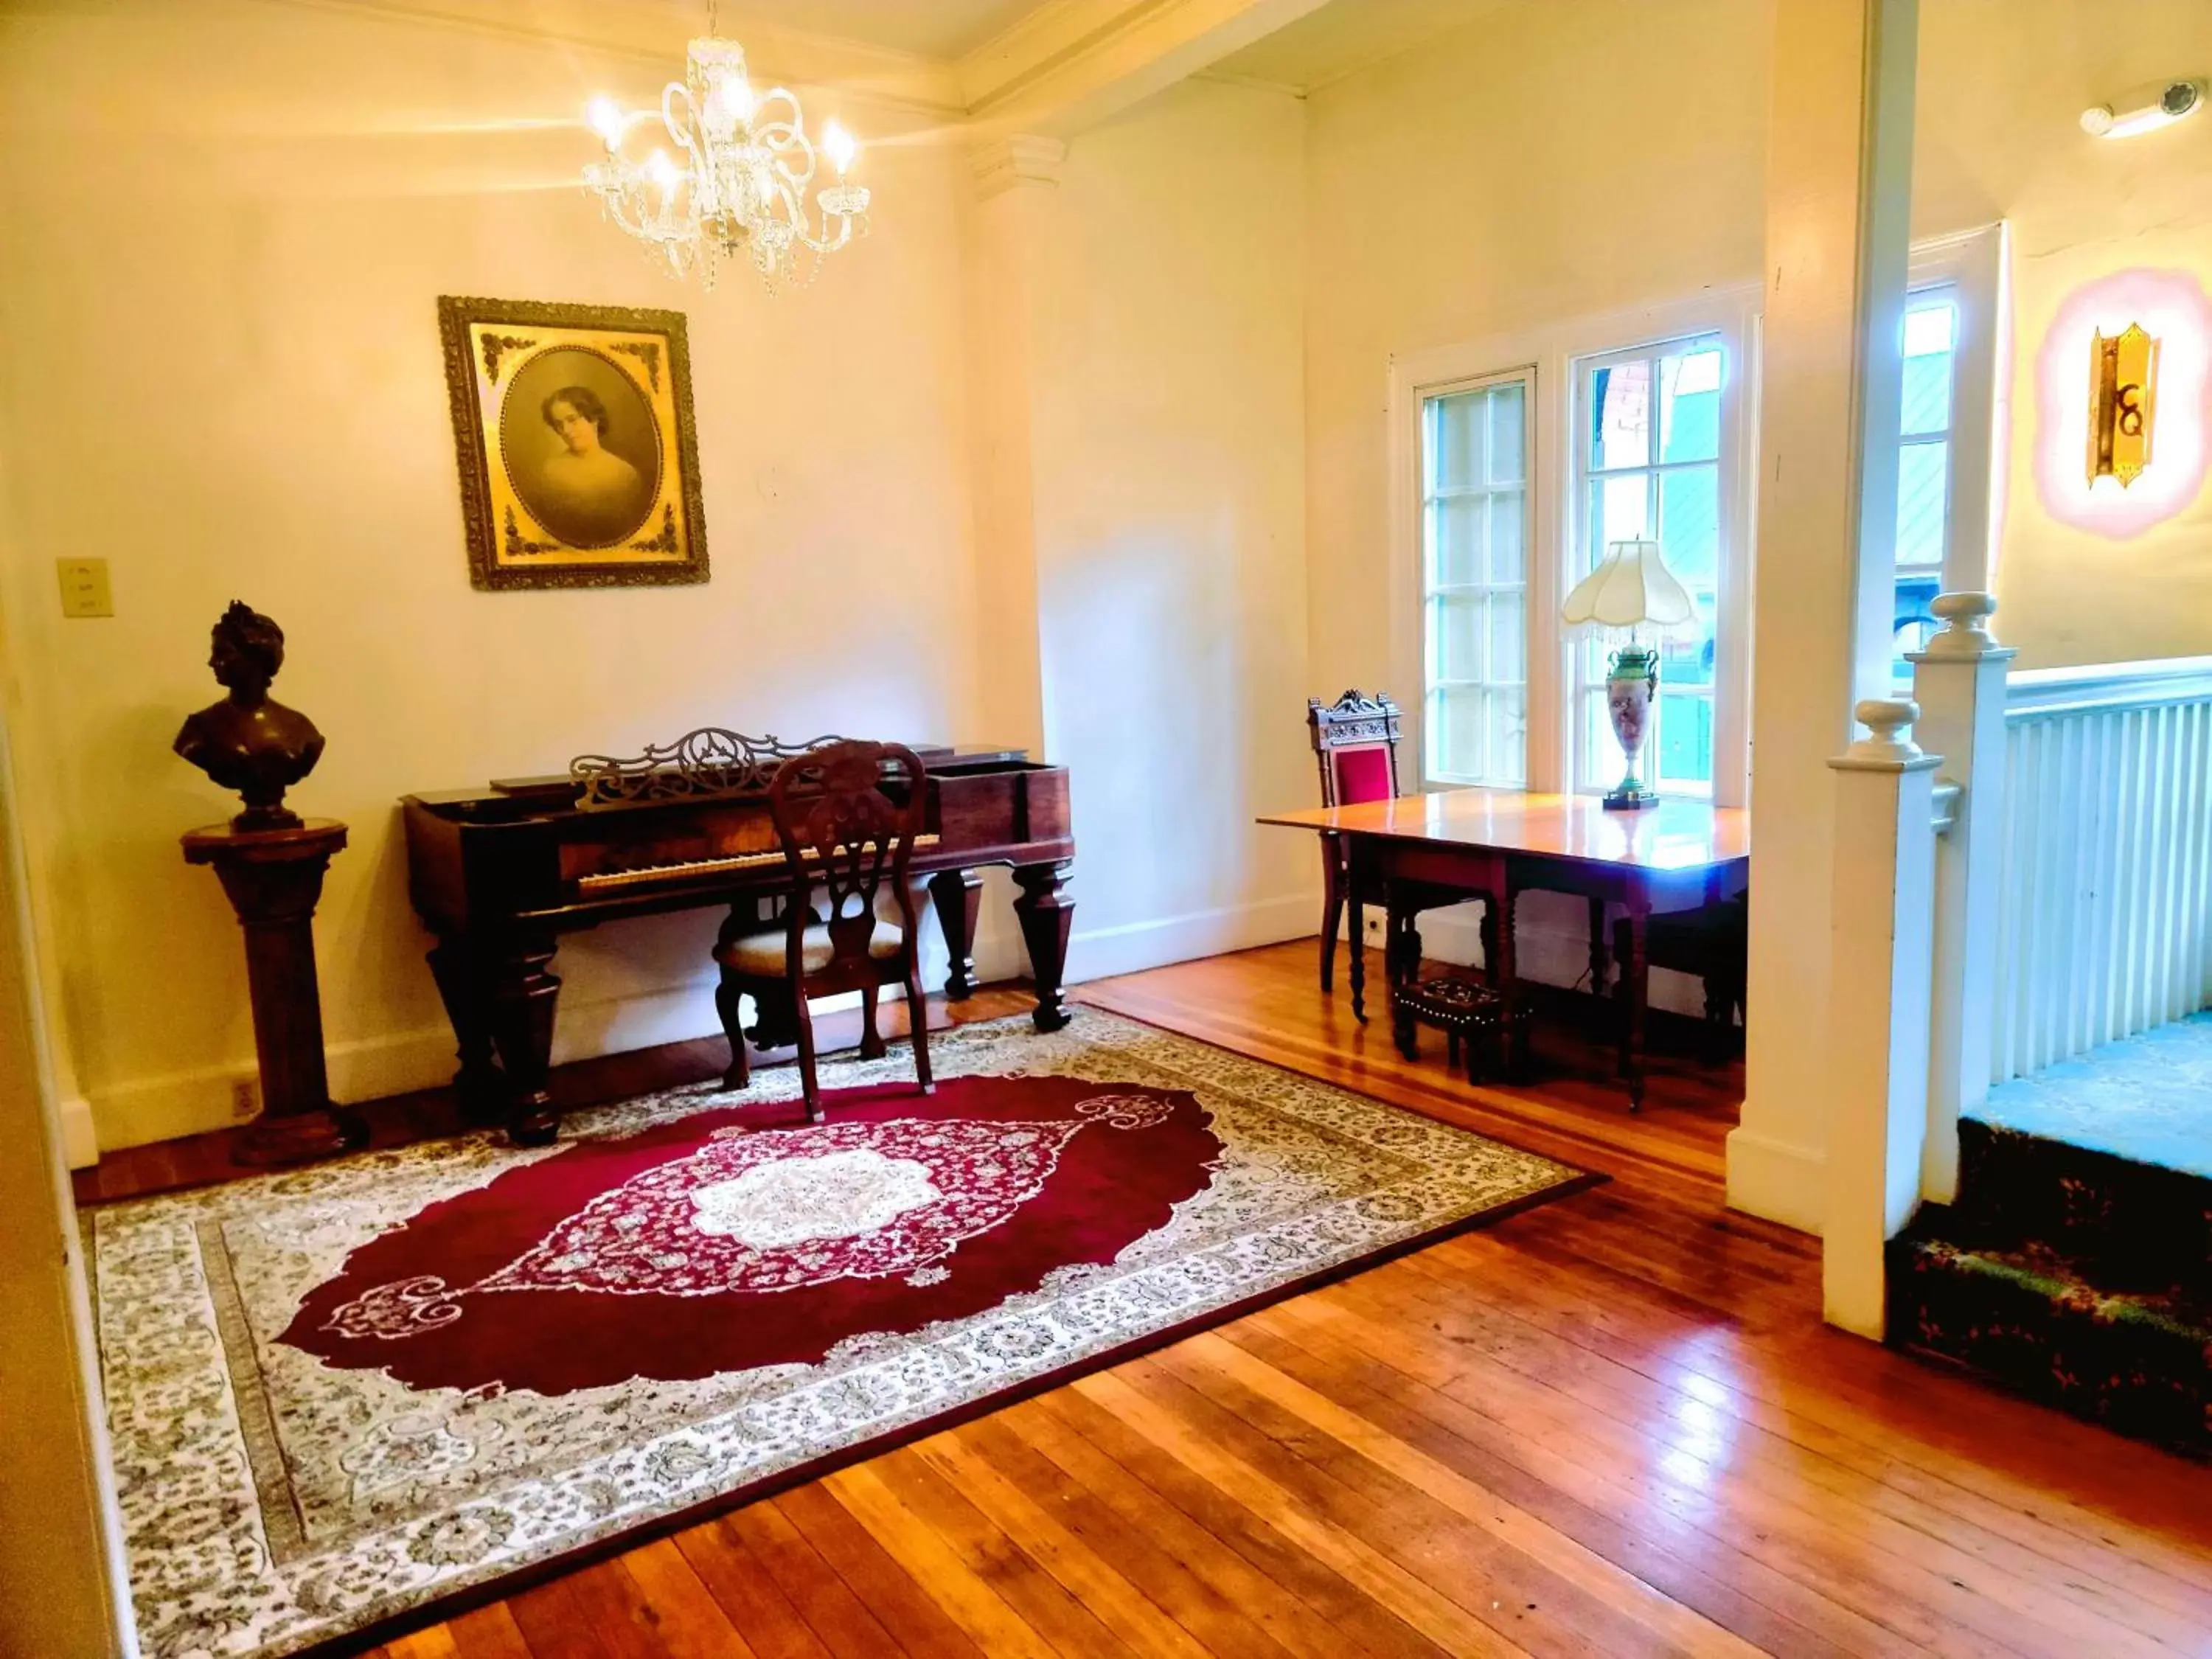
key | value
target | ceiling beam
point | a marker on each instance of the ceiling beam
(1072, 64)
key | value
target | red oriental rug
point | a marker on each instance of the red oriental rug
(342, 1395)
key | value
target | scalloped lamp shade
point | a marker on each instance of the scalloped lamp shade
(1632, 587)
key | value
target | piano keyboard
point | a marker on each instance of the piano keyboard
(652, 875)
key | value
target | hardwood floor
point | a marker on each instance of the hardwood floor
(1612, 1424)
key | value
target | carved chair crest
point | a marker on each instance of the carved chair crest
(849, 813)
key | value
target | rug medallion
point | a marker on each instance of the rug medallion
(340, 1395)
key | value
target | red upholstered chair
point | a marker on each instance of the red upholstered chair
(1355, 741)
(846, 814)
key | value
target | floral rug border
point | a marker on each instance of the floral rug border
(214, 1579)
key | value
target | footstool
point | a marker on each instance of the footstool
(1467, 1012)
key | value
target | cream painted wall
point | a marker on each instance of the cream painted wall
(227, 222)
(2002, 83)
(1170, 546)
(1504, 175)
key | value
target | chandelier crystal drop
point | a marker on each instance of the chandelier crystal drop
(737, 185)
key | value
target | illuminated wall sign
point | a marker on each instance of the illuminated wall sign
(2122, 399)
(2151, 331)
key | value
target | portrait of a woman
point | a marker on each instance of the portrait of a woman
(586, 494)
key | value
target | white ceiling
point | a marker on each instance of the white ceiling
(1347, 36)
(929, 28)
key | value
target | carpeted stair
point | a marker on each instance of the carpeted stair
(2077, 1277)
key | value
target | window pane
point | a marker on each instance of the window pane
(1456, 441)
(1689, 405)
(1508, 453)
(1509, 550)
(1618, 512)
(1620, 416)
(1684, 738)
(1929, 328)
(1686, 658)
(1923, 503)
(1509, 637)
(1456, 732)
(1508, 738)
(1456, 554)
(1456, 645)
(1690, 524)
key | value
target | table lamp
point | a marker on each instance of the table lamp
(1632, 589)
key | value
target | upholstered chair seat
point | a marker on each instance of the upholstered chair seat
(763, 954)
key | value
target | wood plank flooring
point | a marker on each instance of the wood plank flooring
(1614, 1424)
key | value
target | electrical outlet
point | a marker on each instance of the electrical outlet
(245, 1098)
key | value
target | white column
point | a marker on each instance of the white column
(1959, 682)
(1877, 1026)
(1839, 189)
(1016, 183)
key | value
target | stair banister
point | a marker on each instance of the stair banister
(1881, 947)
(1959, 682)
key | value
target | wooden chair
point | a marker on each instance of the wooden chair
(1355, 743)
(846, 814)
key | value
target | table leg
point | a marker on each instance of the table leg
(1635, 988)
(1514, 1043)
(1358, 914)
(1598, 963)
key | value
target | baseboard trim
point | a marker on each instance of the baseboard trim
(177, 1103)
(1131, 947)
(1776, 1180)
(79, 1138)
(1553, 951)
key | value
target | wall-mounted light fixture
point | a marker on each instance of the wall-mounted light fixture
(2144, 108)
(2123, 402)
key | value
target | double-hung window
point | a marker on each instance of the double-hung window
(1923, 463)
(1647, 460)
(1474, 566)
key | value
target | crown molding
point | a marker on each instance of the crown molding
(655, 32)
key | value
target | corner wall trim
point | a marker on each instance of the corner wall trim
(1776, 1180)
(79, 1140)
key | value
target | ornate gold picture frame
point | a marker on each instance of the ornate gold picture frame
(572, 424)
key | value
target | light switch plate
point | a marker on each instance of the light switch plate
(85, 592)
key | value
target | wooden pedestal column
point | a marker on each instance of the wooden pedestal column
(274, 877)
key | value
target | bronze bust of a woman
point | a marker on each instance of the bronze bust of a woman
(248, 741)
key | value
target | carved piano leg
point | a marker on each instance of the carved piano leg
(460, 971)
(522, 1001)
(1046, 914)
(959, 899)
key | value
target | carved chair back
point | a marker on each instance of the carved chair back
(846, 814)
(1355, 741)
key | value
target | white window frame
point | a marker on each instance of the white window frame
(1548, 355)
(1430, 681)
(1971, 263)
(1598, 773)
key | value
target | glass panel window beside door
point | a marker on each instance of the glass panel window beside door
(1474, 565)
(1923, 465)
(1648, 468)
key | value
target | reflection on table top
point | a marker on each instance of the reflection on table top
(1675, 835)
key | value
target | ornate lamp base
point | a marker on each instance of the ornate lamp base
(1630, 686)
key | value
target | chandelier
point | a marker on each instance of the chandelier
(737, 185)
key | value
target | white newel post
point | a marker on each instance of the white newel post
(1879, 946)
(1959, 682)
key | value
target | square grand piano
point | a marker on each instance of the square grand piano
(499, 873)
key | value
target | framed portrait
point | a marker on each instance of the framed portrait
(573, 427)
